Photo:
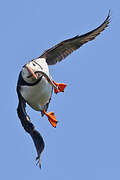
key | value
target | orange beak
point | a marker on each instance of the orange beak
(31, 71)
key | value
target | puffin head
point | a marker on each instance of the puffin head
(30, 72)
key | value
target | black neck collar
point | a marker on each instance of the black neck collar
(22, 82)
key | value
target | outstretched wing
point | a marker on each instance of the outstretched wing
(29, 127)
(63, 49)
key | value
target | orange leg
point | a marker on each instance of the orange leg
(61, 87)
(51, 118)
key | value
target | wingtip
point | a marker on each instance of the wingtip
(108, 19)
(109, 12)
(38, 162)
(109, 16)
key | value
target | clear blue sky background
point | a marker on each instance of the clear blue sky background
(86, 143)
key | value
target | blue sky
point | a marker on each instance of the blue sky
(86, 143)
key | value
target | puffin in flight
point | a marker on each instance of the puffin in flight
(35, 84)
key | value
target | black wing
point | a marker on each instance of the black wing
(63, 49)
(29, 127)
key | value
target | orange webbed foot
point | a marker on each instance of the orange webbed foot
(60, 86)
(51, 118)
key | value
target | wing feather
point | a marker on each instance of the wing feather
(66, 47)
(29, 127)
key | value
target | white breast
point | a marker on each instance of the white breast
(37, 96)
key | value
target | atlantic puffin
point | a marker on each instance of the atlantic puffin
(35, 84)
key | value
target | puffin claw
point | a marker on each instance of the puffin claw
(51, 118)
(60, 87)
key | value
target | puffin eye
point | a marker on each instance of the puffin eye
(33, 64)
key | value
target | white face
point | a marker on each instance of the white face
(27, 76)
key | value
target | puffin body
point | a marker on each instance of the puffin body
(35, 85)
(37, 93)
